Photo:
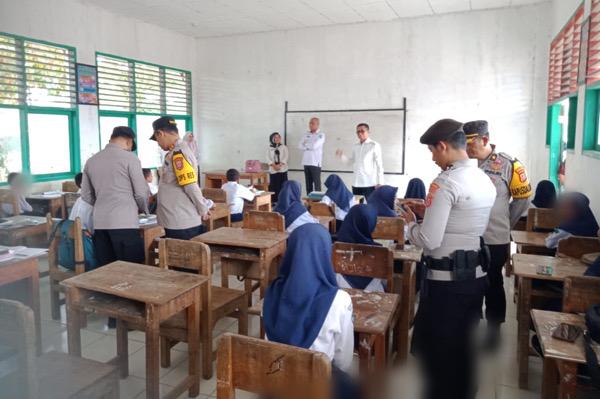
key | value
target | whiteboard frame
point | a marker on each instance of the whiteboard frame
(403, 109)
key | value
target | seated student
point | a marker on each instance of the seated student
(17, 184)
(291, 207)
(357, 228)
(384, 200)
(304, 307)
(82, 209)
(236, 194)
(576, 218)
(415, 189)
(149, 179)
(545, 195)
(337, 193)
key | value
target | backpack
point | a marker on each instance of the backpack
(592, 322)
(66, 246)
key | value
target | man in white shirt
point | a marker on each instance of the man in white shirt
(236, 194)
(82, 209)
(312, 157)
(367, 162)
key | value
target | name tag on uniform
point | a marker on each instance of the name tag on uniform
(184, 171)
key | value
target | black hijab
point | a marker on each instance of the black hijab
(545, 195)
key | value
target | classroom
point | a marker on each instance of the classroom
(285, 199)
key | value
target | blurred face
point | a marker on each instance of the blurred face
(277, 139)
(566, 210)
(362, 133)
(313, 125)
(161, 139)
(439, 154)
(476, 148)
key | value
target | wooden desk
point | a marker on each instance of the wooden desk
(256, 248)
(142, 295)
(525, 270)
(328, 222)
(14, 270)
(374, 314)
(21, 229)
(529, 238)
(588, 259)
(560, 357)
(261, 202)
(216, 179)
(149, 233)
(54, 204)
(219, 212)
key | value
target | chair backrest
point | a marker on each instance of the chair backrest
(364, 260)
(69, 200)
(69, 186)
(580, 293)
(17, 334)
(389, 228)
(576, 247)
(259, 220)
(215, 194)
(272, 369)
(9, 198)
(541, 219)
(321, 209)
(75, 234)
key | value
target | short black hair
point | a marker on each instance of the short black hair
(146, 171)
(78, 179)
(458, 140)
(12, 176)
(363, 125)
(232, 175)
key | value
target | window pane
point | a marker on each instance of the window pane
(115, 79)
(107, 124)
(12, 82)
(147, 88)
(178, 95)
(149, 152)
(49, 144)
(10, 142)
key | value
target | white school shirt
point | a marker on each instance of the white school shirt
(367, 164)
(376, 284)
(312, 147)
(236, 194)
(283, 158)
(300, 220)
(553, 239)
(340, 214)
(153, 188)
(24, 206)
(85, 213)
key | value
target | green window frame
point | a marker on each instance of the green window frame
(21, 75)
(591, 135)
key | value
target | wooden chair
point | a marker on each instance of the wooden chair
(195, 257)
(389, 228)
(56, 273)
(259, 220)
(215, 194)
(53, 375)
(69, 187)
(69, 200)
(580, 293)
(541, 219)
(9, 198)
(321, 209)
(576, 247)
(364, 260)
(271, 369)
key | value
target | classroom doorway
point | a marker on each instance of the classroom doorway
(561, 126)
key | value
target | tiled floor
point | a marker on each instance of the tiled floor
(498, 375)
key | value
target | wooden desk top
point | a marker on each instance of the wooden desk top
(525, 265)
(264, 194)
(545, 322)
(45, 197)
(220, 210)
(147, 284)
(245, 238)
(588, 259)
(372, 311)
(20, 221)
(532, 238)
(242, 173)
(409, 252)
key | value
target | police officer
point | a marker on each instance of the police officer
(455, 215)
(510, 179)
(181, 206)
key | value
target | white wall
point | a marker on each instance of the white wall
(480, 65)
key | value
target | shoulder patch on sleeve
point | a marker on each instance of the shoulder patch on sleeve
(520, 187)
(433, 188)
(184, 171)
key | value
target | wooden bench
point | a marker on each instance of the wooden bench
(389, 228)
(217, 195)
(541, 219)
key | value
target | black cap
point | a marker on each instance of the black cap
(440, 131)
(165, 123)
(124, 131)
(475, 129)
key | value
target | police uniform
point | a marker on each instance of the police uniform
(510, 180)
(312, 158)
(180, 201)
(458, 206)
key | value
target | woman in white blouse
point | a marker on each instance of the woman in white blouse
(278, 164)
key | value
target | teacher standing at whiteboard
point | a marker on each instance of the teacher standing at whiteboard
(367, 162)
(312, 157)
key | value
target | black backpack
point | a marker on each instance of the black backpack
(592, 322)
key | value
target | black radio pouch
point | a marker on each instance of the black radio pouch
(464, 265)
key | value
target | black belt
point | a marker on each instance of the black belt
(474, 259)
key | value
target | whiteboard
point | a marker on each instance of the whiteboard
(339, 127)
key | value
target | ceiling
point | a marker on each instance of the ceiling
(209, 18)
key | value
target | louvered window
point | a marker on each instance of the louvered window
(115, 84)
(593, 59)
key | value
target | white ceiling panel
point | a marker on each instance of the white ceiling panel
(410, 8)
(484, 4)
(446, 6)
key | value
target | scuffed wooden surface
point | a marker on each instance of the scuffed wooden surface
(530, 238)
(373, 311)
(246, 238)
(525, 265)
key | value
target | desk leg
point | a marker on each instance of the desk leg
(73, 321)
(549, 380)
(406, 300)
(523, 330)
(567, 388)
(364, 354)
(34, 284)
(122, 349)
(206, 324)
(380, 358)
(152, 352)
(193, 344)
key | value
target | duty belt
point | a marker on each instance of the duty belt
(473, 258)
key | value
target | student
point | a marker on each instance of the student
(576, 218)
(82, 209)
(304, 307)
(290, 206)
(17, 184)
(384, 200)
(149, 179)
(236, 194)
(337, 193)
(357, 228)
(277, 157)
(545, 195)
(415, 189)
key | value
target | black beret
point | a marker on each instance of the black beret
(164, 123)
(476, 128)
(124, 131)
(440, 131)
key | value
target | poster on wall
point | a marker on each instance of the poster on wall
(583, 52)
(87, 84)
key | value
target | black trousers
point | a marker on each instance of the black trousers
(276, 180)
(118, 244)
(495, 299)
(237, 217)
(365, 191)
(444, 337)
(312, 175)
(185, 234)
